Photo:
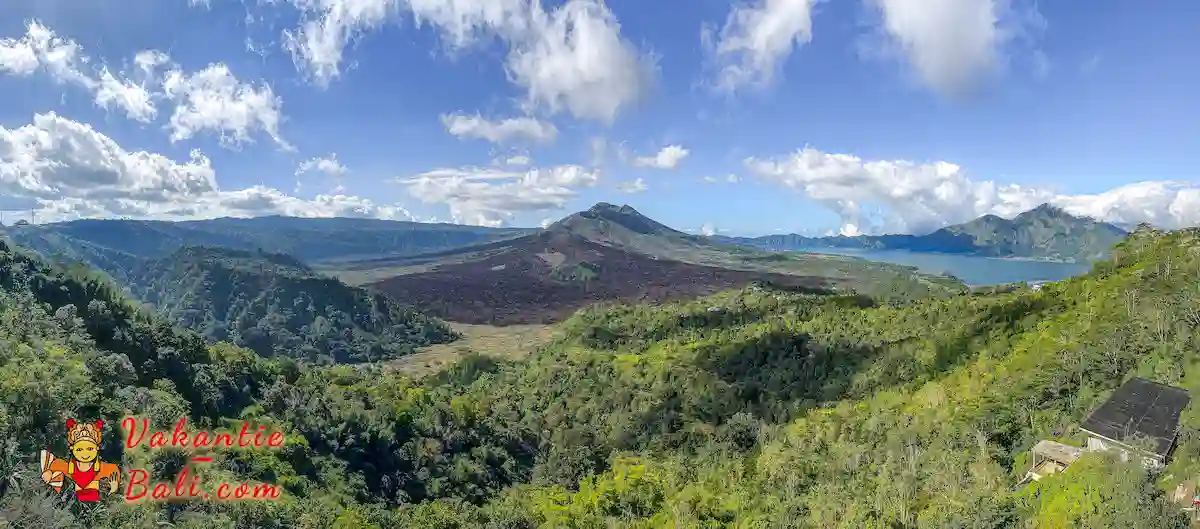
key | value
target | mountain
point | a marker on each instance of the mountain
(545, 277)
(116, 245)
(611, 253)
(1045, 232)
(276, 306)
(748, 408)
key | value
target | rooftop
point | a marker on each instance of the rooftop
(1140, 408)
(1058, 452)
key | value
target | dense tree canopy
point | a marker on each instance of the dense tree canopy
(277, 306)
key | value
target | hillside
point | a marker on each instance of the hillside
(753, 408)
(768, 409)
(276, 306)
(611, 253)
(71, 347)
(546, 277)
(1045, 232)
(115, 245)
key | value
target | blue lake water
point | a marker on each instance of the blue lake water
(974, 271)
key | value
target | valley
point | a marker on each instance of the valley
(802, 408)
(605, 371)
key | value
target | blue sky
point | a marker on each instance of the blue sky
(858, 116)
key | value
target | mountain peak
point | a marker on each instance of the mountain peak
(602, 208)
(1048, 210)
(597, 222)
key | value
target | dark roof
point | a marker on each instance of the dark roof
(1140, 408)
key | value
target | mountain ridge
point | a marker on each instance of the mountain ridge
(276, 305)
(1046, 232)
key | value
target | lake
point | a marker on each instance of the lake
(973, 270)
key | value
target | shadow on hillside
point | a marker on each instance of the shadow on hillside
(781, 373)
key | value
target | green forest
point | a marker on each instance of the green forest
(275, 305)
(748, 409)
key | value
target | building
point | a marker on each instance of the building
(1140, 419)
(1050, 457)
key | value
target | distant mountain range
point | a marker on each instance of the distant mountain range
(118, 245)
(1045, 232)
(268, 283)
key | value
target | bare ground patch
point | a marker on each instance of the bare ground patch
(510, 342)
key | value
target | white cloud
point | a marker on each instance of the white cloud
(571, 58)
(490, 197)
(40, 48)
(210, 100)
(503, 131)
(756, 39)
(134, 98)
(575, 60)
(711, 179)
(214, 100)
(708, 230)
(733, 178)
(667, 158)
(55, 156)
(635, 186)
(63, 169)
(952, 44)
(22, 56)
(328, 165)
(903, 196)
(63, 59)
(149, 62)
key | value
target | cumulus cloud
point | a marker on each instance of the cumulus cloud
(635, 186)
(41, 49)
(63, 169)
(667, 158)
(210, 100)
(952, 44)
(708, 230)
(214, 100)
(903, 196)
(502, 131)
(491, 197)
(756, 39)
(569, 59)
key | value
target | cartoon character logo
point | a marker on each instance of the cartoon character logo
(84, 468)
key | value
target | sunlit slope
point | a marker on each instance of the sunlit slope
(763, 409)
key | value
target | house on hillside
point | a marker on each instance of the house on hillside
(1050, 457)
(1140, 419)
